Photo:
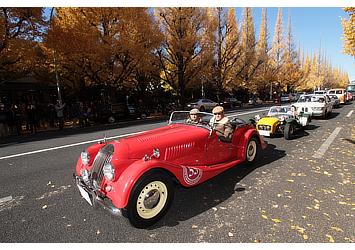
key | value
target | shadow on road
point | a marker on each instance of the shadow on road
(349, 140)
(190, 202)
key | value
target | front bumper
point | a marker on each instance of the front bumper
(318, 113)
(94, 198)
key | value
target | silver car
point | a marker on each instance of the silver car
(202, 104)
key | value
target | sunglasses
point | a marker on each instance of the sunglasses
(217, 113)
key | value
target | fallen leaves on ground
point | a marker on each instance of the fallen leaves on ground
(330, 238)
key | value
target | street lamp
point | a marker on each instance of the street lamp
(55, 65)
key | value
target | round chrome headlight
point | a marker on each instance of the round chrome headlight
(84, 174)
(109, 171)
(85, 157)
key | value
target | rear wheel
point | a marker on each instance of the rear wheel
(288, 131)
(150, 199)
(251, 152)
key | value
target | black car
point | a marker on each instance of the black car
(231, 102)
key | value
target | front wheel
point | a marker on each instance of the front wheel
(251, 153)
(150, 199)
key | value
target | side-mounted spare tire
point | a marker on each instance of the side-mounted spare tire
(150, 199)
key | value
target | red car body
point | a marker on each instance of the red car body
(187, 154)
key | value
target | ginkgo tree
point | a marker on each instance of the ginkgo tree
(349, 31)
(20, 31)
(102, 46)
(182, 49)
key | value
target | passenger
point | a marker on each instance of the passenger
(194, 117)
(221, 124)
(294, 111)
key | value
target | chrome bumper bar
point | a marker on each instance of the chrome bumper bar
(96, 199)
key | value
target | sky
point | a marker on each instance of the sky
(313, 28)
(316, 24)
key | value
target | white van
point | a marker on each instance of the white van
(340, 93)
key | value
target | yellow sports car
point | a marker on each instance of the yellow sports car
(284, 120)
(268, 126)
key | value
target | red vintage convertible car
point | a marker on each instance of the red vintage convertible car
(135, 176)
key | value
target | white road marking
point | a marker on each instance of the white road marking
(5, 199)
(349, 114)
(321, 151)
(97, 140)
(250, 112)
(65, 146)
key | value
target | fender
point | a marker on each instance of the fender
(121, 189)
(244, 141)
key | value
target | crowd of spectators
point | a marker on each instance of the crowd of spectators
(22, 118)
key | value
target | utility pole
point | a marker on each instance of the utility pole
(55, 65)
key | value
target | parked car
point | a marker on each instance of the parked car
(315, 105)
(255, 101)
(350, 96)
(135, 176)
(341, 94)
(231, 102)
(282, 120)
(286, 98)
(320, 92)
(202, 104)
(334, 100)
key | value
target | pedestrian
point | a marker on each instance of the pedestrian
(80, 114)
(59, 108)
(221, 124)
(31, 118)
(3, 121)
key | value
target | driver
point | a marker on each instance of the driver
(193, 117)
(221, 124)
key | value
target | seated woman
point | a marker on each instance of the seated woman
(193, 117)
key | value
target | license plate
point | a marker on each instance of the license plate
(264, 133)
(85, 195)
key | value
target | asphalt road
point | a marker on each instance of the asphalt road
(288, 196)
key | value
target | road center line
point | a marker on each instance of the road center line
(5, 199)
(349, 114)
(321, 151)
(93, 141)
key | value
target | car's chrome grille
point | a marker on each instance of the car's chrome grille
(104, 156)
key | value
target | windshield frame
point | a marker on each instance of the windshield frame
(185, 116)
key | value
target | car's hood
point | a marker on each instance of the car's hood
(268, 121)
(173, 141)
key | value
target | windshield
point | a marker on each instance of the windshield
(312, 98)
(279, 110)
(183, 117)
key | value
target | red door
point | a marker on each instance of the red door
(217, 151)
